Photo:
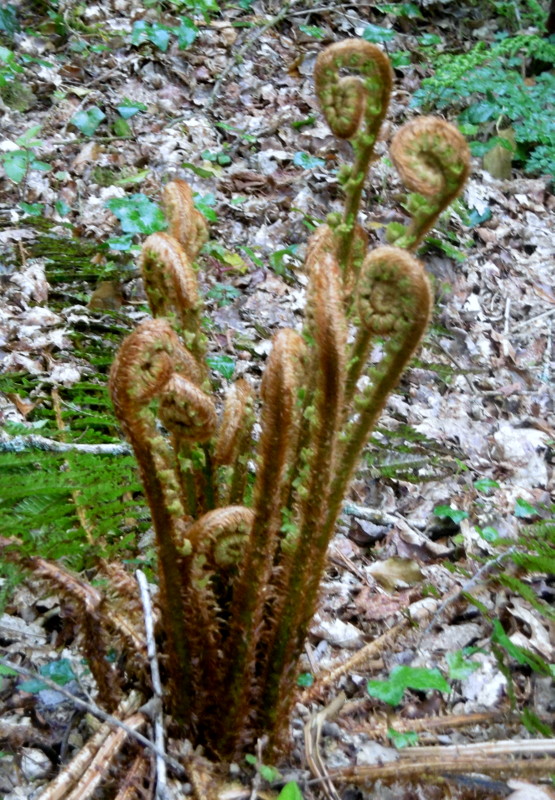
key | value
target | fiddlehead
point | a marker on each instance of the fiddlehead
(394, 302)
(171, 286)
(433, 160)
(280, 421)
(146, 362)
(233, 445)
(354, 106)
(186, 410)
(187, 224)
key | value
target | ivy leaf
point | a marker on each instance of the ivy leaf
(8, 19)
(400, 740)
(305, 679)
(290, 791)
(60, 672)
(459, 666)
(137, 214)
(375, 34)
(186, 33)
(32, 209)
(476, 218)
(159, 35)
(88, 121)
(128, 108)
(204, 204)
(429, 39)
(488, 533)
(223, 364)
(313, 30)
(7, 670)
(306, 161)
(524, 509)
(454, 514)
(15, 164)
(480, 112)
(140, 32)
(391, 691)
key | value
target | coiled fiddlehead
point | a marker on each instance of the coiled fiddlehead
(353, 104)
(187, 224)
(354, 107)
(433, 160)
(172, 289)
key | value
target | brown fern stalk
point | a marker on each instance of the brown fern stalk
(327, 327)
(433, 160)
(280, 424)
(354, 107)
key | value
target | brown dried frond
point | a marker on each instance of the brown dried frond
(187, 411)
(187, 224)
(348, 101)
(432, 157)
(393, 292)
(236, 416)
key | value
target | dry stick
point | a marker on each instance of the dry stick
(356, 662)
(158, 714)
(99, 766)
(379, 730)
(484, 569)
(436, 768)
(312, 734)
(96, 711)
(18, 444)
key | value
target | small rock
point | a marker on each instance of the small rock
(34, 763)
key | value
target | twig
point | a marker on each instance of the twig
(484, 569)
(158, 714)
(356, 662)
(96, 711)
(312, 734)
(18, 444)
(436, 768)
(526, 322)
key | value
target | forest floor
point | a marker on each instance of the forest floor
(456, 482)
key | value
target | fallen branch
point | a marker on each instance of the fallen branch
(18, 444)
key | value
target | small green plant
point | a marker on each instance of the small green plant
(160, 35)
(488, 88)
(21, 160)
(242, 523)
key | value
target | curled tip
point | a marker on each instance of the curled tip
(237, 409)
(432, 157)
(169, 278)
(394, 294)
(144, 363)
(186, 410)
(187, 224)
(221, 534)
(280, 381)
(347, 101)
